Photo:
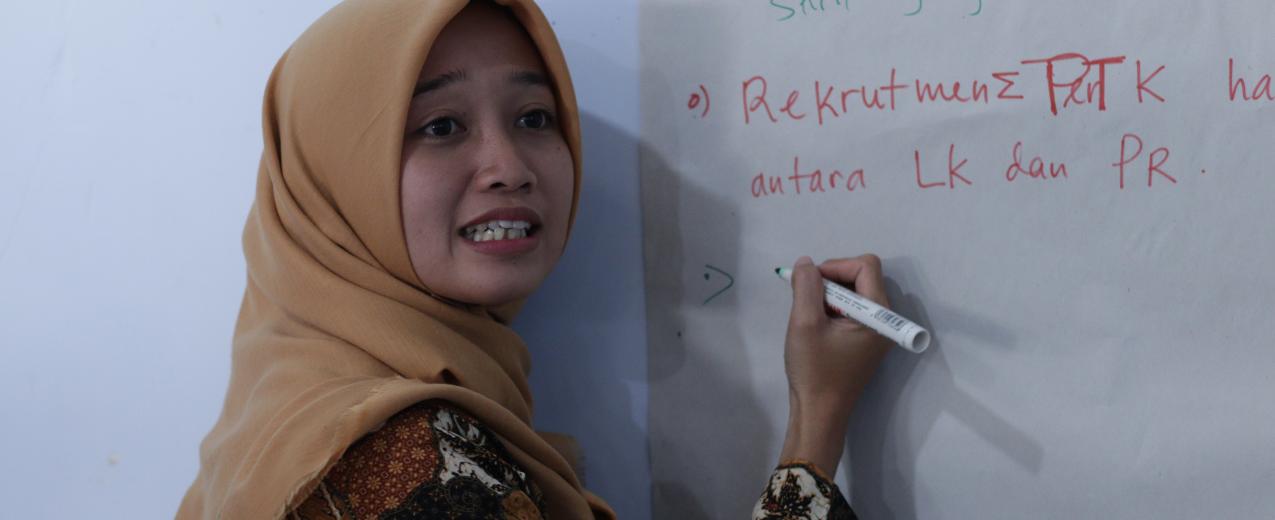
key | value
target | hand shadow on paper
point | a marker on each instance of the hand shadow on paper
(898, 409)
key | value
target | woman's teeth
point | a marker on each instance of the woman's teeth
(498, 230)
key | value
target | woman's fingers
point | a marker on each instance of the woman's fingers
(807, 295)
(863, 272)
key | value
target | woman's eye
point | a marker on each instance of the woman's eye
(441, 127)
(535, 120)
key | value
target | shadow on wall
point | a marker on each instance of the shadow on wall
(706, 425)
(708, 429)
(911, 390)
(584, 327)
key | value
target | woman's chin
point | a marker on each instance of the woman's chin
(497, 295)
(480, 280)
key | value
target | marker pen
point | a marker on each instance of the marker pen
(849, 304)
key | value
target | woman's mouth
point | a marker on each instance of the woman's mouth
(499, 230)
(503, 231)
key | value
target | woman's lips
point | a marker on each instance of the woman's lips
(505, 247)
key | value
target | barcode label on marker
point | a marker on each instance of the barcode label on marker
(891, 319)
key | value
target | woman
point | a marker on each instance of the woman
(420, 175)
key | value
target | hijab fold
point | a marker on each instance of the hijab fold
(336, 333)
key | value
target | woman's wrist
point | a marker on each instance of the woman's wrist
(816, 433)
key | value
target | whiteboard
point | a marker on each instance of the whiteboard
(1084, 223)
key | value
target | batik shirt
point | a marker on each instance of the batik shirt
(433, 461)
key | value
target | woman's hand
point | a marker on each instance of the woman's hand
(828, 360)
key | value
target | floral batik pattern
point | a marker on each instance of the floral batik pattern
(433, 461)
(428, 461)
(799, 491)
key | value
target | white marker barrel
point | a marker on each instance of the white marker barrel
(900, 330)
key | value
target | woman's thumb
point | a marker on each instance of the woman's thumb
(807, 294)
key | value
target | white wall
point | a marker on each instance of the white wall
(130, 137)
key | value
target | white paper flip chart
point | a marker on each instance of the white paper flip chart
(1076, 198)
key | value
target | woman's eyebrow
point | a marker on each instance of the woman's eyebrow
(439, 82)
(531, 78)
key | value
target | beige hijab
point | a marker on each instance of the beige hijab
(336, 333)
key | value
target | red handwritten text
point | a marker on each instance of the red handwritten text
(1035, 167)
(1155, 161)
(813, 182)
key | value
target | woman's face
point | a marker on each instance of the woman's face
(487, 175)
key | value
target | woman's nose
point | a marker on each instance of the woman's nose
(501, 166)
